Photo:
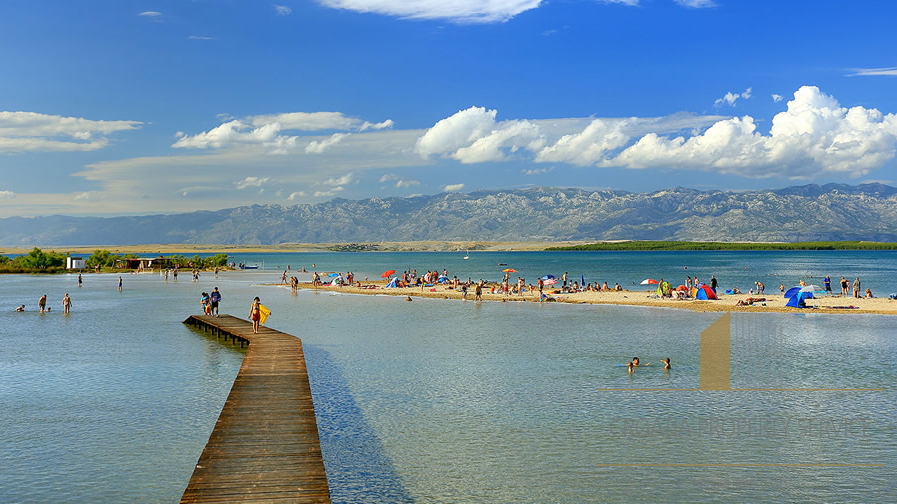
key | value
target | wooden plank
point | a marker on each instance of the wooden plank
(265, 445)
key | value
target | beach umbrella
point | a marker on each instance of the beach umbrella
(387, 273)
(806, 288)
(550, 281)
(509, 270)
(648, 281)
(548, 277)
(333, 274)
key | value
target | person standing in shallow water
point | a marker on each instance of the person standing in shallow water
(42, 303)
(66, 303)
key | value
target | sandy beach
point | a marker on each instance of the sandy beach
(772, 303)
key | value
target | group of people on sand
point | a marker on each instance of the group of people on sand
(634, 363)
(42, 304)
(846, 286)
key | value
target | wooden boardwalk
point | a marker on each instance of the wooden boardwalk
(265, 445)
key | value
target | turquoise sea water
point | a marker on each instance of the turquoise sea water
(449, 401)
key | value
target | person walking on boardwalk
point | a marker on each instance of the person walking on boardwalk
(255, 314)
(66, 303)
(214, 299)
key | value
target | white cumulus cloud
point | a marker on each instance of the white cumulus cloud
(282, 10)
(460, 11)
(309, 121)
(270, 130)
(7, 195)
(730, 98)
(229, 133)
(777, 98)
(473, 136)
(814, 136)
(453, 187)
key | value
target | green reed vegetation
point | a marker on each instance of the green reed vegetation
(692, 246)
(39, 261)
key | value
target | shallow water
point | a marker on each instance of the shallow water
(450, 401)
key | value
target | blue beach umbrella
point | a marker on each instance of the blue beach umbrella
(548, 277)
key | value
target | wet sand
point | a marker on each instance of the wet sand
(773, 303)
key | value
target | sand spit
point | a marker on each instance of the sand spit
(772, 303)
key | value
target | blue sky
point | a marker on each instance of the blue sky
(142, 107)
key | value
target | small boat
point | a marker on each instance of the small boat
(245, 267)
(468, 255)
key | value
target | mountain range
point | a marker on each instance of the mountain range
(799, 213)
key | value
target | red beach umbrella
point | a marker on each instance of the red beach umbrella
(509, 270)
(648, 281)
(387, 273)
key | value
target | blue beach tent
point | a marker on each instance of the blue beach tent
(792, 291)
(391, 284)
(798, 300)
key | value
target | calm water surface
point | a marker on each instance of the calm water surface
(449, 401)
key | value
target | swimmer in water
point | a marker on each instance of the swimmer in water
(635, 362)
(666, 363)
